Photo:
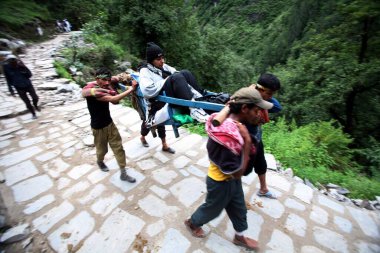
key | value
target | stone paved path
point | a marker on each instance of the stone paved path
(53, 185)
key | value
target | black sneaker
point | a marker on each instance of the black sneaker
(38, 109)
(102, 166)
(125, 177)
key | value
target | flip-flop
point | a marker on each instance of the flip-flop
(169, 150)
(268, 195)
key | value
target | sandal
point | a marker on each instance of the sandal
(169, 150)
(195, 231)
(246, 242)
(268, 195)
(144, 143)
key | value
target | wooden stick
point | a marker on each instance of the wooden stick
(221, 116)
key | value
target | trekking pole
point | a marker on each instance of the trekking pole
(221, 116)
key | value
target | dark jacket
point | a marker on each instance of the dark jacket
(17, 76)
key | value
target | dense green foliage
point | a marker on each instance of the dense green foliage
(16, 13)
(196, 128)
(77, 12)
(319, 152)
(61, 70)
(326, 54)
(96, 48)
(19, 18)
(319, 144)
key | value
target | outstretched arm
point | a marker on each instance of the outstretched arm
(97, 92)
(93, 90)
(115, 99)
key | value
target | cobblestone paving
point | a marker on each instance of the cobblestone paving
(54, 186)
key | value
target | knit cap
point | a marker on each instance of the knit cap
(153, 51)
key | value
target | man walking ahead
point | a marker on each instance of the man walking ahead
(18, 77)
(104, 130)
(230, 149)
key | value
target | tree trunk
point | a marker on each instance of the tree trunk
(350, 100)
(350, 104)
(364, 39)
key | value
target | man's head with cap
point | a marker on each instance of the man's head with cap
(153, 52)
(249, 95)
(10, 57)
(246, 103)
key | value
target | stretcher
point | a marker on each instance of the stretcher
(172, 102)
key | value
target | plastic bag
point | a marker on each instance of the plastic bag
(159, 117)
(183, 118)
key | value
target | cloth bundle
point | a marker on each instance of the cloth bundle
(227, 135)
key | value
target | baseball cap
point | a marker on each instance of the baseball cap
(250, 95)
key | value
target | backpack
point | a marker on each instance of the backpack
(217, 98)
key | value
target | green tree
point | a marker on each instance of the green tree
(138, 22)
(77, 12)
(330, 70)
(170, 24)
(334, 73)
(221, 68)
